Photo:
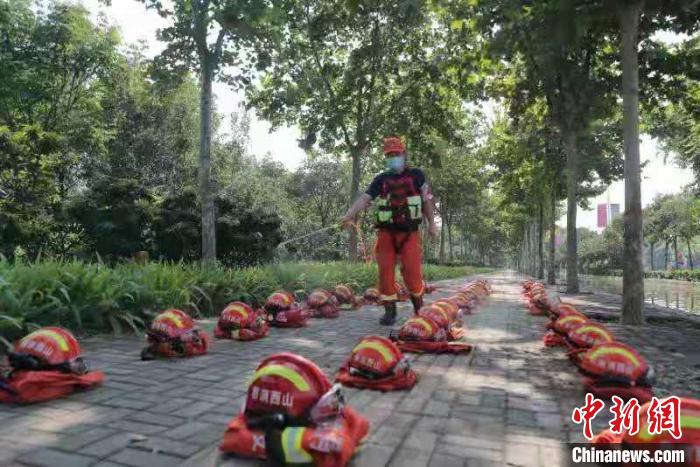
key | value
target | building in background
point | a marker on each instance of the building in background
(614, 211)
(606, 213)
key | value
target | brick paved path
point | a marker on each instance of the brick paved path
(506, 403)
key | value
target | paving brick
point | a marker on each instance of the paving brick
(441, 460)
(137, 427)
(469, 452)
(194, 409)
(190, 430)
(138, 458)
(373, 455)
(77, 441)
(156, 419)
(127, 403)
(55, 458)
(167, 446)
(407, 457)
(109, 445)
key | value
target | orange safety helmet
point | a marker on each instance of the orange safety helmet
(461, 301)
(172, 323)
(320, 297)
(421, 328)
(588, 334)
(280, 300)
(452, 310)
(563, 325)
(241, 322)
(48, 348)
(376, 357)
(438, 314)
(393, 144)
(616, 361)
(237, 315)
(286, 384)
(372, 295)
(344, 294)
(172, 334)
(564, 309)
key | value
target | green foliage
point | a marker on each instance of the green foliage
(94, 297)
(115, 215)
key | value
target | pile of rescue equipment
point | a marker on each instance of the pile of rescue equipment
(292, 414)
(44, 365)
(609, 367)
(612, 368)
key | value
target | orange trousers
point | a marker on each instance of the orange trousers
(405, 246)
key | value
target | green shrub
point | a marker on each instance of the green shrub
(95, 297)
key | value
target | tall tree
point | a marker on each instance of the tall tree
(209, 36)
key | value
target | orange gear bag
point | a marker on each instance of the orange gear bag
(377, 363)
(44, 365)
(420, 335)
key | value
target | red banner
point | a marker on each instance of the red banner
(602, 215)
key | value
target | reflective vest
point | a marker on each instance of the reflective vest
(292, 446)
(399, 205)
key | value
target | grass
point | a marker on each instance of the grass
(93, 297)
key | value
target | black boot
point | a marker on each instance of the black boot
(389, 317)
(417, 303)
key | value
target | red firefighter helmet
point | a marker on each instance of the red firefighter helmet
(237, 315)
(564, 309)
(241, 322)
(343, 293)
(436, 313)
(376, 356)
(460, 301)
(280, 300)
(372, 295)
(320, 297)
(420, 328)
(172, 323)
(287, 384)
(48, 348)
(451, 309)
(172, 333)
(616, 361)
(588, 334)
(565, 324)
(466, 298)
(689, 425)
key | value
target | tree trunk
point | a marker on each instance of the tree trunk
(205, 182)
(651, 255)
(690, 254)
(633, 269)
(441, 258)
(449, 241)
(355, 154)
(675, 252)
(551, 274)
(571, 194)
(540, 243)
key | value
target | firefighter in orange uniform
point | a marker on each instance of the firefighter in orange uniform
(402, 199)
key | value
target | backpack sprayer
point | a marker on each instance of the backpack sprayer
(363, 247)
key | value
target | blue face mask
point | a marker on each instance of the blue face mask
(396, 163)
